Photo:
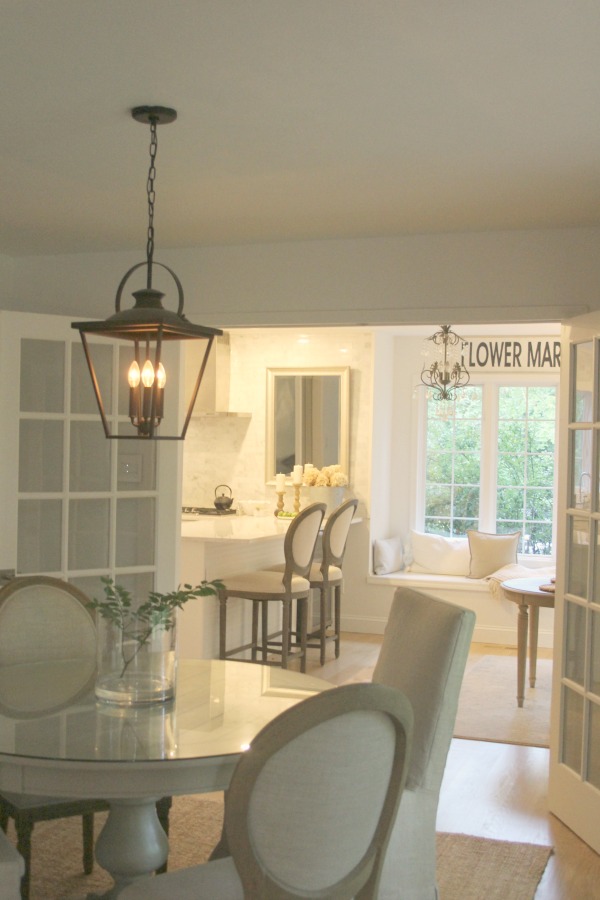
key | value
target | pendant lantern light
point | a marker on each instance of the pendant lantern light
(147, 325)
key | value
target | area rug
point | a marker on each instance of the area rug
(469, 868)
(487, 707)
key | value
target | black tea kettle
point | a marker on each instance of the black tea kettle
(222, 501)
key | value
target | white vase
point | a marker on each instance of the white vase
(331, 496)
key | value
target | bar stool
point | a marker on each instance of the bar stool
(267, 585)
(326, 577)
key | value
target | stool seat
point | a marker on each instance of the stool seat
(284, 584)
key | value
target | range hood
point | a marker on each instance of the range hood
(213, 396)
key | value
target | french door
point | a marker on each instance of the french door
(574, 788)
(76, 505)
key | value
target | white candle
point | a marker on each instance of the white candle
(297, 475)
(280, 483)
(308, 466)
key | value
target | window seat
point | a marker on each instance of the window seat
(496, 616)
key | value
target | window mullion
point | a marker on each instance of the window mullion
(489, 459)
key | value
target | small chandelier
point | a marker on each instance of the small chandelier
(147, 324)
(447, 373)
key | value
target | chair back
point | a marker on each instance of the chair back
(423, 654)
(335, 535)
(298, 828)
(301, 540)
(47, 644)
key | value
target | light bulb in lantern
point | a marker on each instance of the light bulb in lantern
(148, 374)
(161, 376)
(133, 375)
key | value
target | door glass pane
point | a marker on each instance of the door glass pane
(83, 399)
(139, 584)
(90, 457)
(593, 772)
(135, 532)
(582, 382)
(595, 654)
(38, 540)
(42, 376)
(88, 534)
(572, 718)
(40, 455)
(581, 483)
(575, 618)
(577, 555)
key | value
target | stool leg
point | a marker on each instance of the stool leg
(323, 622)
(303, 604)
(285, 632)
(265, 630)
(254, 647)
(337, 593)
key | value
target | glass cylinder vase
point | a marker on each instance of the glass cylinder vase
(136, 663)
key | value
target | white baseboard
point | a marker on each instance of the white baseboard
(484, 634)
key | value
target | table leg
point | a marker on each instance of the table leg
(521, 651)
(132, 842)
(534, 618)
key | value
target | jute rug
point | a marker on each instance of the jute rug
(487, 708)
(469, 868)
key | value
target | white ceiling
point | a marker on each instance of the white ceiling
(297, 119)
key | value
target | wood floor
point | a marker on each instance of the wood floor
(492, 790)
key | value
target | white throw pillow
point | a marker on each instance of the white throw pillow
(490, 552)
(440, 555)
(387, 556)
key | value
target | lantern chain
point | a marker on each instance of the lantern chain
(151, 197)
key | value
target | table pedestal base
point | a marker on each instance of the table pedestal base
(132, 843)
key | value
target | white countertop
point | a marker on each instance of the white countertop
(235, 528)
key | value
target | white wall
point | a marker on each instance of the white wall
(506, 276)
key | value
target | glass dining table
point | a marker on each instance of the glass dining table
(57, 740)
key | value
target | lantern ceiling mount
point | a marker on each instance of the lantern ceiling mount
(147, 324)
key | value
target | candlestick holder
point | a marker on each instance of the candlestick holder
(297, 497)
(280, 496)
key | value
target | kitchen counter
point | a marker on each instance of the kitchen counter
(235, 528)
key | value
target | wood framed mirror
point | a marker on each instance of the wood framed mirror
(308, 418)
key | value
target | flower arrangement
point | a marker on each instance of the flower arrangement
(328, 476)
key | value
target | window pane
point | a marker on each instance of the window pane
(574, 659)
(577, 556)
(90, 457)
(453, 472)
(593, 772)
(584, 376)
(83, 399)
(135, 532)
(525, 472)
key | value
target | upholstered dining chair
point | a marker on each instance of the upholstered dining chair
(296, 827)
(326, 577)
(423, 655)
(267, 586)
(45, 621)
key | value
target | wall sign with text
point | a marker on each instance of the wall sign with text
(512, 354)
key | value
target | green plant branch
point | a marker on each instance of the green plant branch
(138, 623)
